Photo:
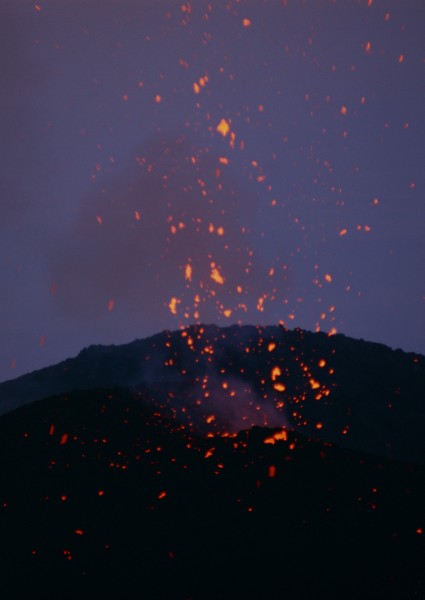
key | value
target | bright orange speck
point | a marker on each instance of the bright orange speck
(223, 127)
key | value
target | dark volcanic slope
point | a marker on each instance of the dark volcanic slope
(102, 498)
(358, 394)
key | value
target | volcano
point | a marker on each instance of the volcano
(211, 462)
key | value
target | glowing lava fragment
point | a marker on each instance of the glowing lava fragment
(246, 22)
(162, 495)
(172, 305)
(223, 127)
(188, 272)
(79, 532)
(343, 232)
(275, 373)
(216, 275)
(328, 277)
(64, 439)
(343, 110)
(280, 435)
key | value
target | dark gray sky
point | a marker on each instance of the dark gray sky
(124, 201)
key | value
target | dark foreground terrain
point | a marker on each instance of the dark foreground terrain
(102, 496)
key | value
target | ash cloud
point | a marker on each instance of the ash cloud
(176, 205)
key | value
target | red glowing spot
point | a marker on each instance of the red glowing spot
(79, 532)
(162, 495)
(37, 7)
(196, 88)
(343, 110)
(125, 97)
(100, 493)
(111, 305)
(368, 47)
(158, 99)
(279, 387)
(319, 425)
(64, 498)
(42, 340)
(272, 471)
(64, 439)
(137, 215)
(13, 363)
(332, 332)
(401, 58)
(99, 219)
(210, 419)
(419, 531)
(271, 346)
(328, 277)
(322, 362)
(52, 429)
(246, 22)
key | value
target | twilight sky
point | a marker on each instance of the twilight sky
(165, 162)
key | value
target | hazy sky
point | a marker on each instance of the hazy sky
(170, 162)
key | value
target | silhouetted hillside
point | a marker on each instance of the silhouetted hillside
(104, 496)
(361, 395)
